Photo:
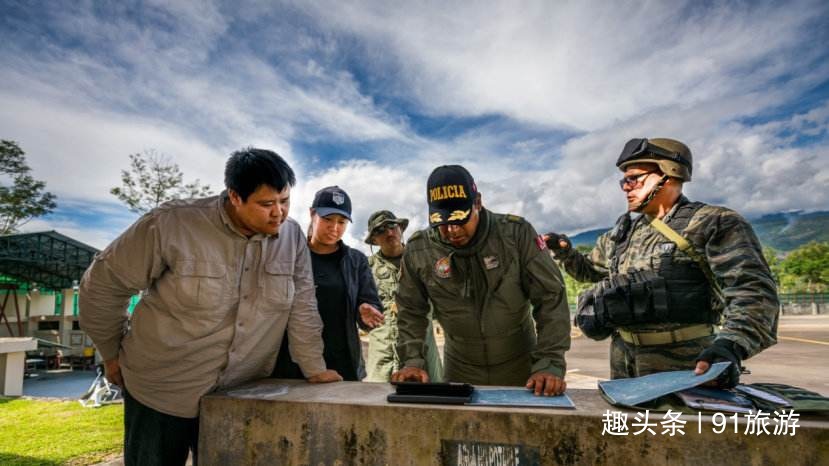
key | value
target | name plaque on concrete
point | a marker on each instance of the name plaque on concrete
(460, 453)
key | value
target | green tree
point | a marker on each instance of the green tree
(773, 258)
(152, 180)
(806, 269)
(575, 288)
(23, 199)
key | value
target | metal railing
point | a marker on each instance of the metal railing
(803, 298)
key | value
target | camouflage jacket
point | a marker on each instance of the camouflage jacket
(733, 253)
(386, 277)
(486, 297)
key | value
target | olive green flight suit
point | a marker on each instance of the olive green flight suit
(500, 300)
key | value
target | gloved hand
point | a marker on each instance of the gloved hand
(593, 325)
(557, 243)
(719, 351)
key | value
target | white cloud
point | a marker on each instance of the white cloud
(80, 153)
(197, 80)
(751, 169)
(97, 236)
(371, 186)
(585, 64)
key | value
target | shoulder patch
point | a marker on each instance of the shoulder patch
(514, 218)
(540, 243)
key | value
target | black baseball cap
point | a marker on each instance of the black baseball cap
(332, 200)
(451, 193)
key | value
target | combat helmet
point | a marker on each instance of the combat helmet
(673, 157)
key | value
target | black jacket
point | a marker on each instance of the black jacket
(360, 288)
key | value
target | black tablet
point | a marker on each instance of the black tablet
(431, 393)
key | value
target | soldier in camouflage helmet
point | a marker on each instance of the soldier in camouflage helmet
(386, 231)
(681, 284)
(492, 285)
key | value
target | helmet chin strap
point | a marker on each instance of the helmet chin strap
(652, 194)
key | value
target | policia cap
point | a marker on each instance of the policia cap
(451, 193)
(673, 157)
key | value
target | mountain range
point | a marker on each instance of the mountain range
(783, 231)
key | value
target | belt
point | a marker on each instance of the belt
(664, 338)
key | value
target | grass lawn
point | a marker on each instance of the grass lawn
(58, 432)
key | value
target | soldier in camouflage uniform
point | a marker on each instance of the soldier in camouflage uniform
(494, 288)
(713, 301)
(386, 231)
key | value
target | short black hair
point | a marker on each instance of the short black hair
(248, 169)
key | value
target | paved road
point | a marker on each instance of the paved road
(801, 356)
(58, 384)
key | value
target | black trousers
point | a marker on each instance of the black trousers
(152, 438)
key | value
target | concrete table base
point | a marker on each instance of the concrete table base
(12, 363)
(290, 422)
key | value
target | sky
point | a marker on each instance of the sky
(535, 98)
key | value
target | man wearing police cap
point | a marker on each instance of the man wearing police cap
(494, 289)
(680, 284)
(386, 231)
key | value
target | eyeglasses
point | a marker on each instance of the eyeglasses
(383, 228)
(634, 181)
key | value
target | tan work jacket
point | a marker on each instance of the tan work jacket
(214, 308)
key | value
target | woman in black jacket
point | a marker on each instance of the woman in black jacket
(346, 294)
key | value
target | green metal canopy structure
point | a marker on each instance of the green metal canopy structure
(48, 259)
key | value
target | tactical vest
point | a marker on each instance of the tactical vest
(672, 292)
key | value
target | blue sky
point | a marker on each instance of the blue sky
(535, 98)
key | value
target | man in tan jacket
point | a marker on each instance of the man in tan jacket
(222, 279)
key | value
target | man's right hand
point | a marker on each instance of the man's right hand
(721, 350)
(112, 371)
(556, 242)
(326, 376)
(410, 374)
(371, 316)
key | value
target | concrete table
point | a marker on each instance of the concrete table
(291, 422)
(12, 364)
